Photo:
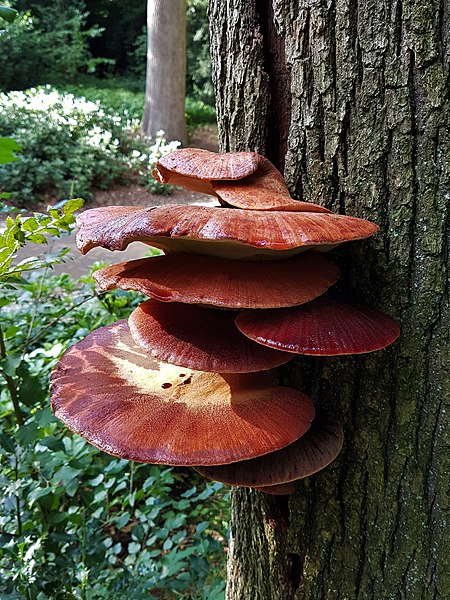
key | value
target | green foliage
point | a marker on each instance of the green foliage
(116, 96)
(8, 149)
(121, 96)
(198, 62)
(71, 145)
(74, 522)
(198, 113)
(47, 44)
(17, 232)
(8, 14)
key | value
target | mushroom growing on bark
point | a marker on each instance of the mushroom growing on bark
(182, 382)
(241, 179)
(136, 407)
(323, 327)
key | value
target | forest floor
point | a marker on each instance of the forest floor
(135, 195)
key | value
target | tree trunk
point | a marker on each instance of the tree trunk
(350, 99)
(165, 89)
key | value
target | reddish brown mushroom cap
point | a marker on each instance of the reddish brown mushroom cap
(203, 164)
(242, 179)
(314, 451)
(110, 391)
(237, 284)
(322, 327)
(224, 232)
(265, 189)
(194, 168)
(199, 338)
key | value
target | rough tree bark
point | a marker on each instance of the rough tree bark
(350, 99)
(165, 89)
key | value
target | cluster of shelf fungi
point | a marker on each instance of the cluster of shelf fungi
(238, 292)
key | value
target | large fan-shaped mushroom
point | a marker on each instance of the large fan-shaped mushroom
(110, 391)
(223, 232)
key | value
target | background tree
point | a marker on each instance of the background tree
(166, 69)
(351, 101)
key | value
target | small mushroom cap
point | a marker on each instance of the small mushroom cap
(203, 164)
(199, 338)
(322, 327)
(114, 394)
(194, 168)
(223, 232)
(196, 279)
(242, 179)
(314, 451)
(265, 189)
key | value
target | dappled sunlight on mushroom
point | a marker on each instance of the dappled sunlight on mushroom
(184, 383)
(132, 406)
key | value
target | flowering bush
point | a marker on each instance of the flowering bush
(70, 145)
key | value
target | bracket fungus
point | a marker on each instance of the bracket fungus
(220, 232)
(240, 179)
(237, 292)
(234, 284)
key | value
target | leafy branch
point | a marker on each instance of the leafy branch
(22, 230)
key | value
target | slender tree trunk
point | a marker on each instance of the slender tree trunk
(351, 100)
(166, 70)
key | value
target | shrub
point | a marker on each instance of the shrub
(70, 145)
(74, 522)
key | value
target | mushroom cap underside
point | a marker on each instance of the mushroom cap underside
(312, 452)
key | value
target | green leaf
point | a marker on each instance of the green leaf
(6, 442)
(37, 238)
(65, 474)
(9, 365)
(72, 205)
(122, 520)
(97, 480)
(8, 14)
(31, 392)
(133, 548)
(8, 146)
(28, 434)
(30, 224)
(39, 493)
